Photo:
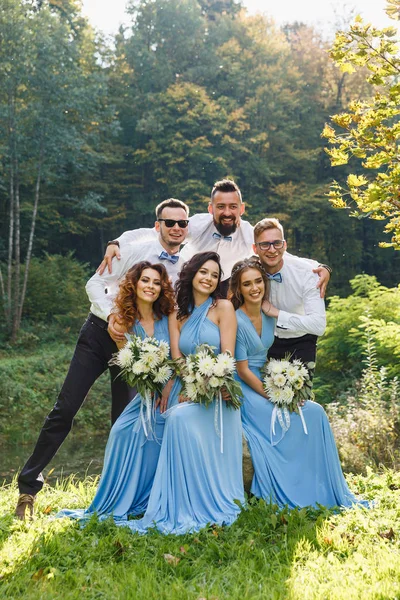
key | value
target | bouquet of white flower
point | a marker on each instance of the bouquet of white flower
(288, 383)
(204, 374)
(145, 365)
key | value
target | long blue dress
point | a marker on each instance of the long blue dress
(130, 459)
(195, 484)
(294, 468)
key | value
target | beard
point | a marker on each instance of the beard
(225, 229)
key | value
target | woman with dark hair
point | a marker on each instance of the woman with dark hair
(144, 301)
(197, 481)
(296, 465)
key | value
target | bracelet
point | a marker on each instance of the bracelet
(327, 267)
(116, 242)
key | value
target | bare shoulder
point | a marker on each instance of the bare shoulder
(224, 307)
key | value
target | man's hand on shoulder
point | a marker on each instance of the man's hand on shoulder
(111, 251)
(324, 276)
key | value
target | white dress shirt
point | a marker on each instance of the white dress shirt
(301, 309)
(200, 239)
(102, 289)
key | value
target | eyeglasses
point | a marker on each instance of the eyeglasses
(277, 244)
(171, 222)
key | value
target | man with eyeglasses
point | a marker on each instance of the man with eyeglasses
(220, 230)
(295, 301)
(95, 347)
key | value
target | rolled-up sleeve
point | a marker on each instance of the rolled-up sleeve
(314, 319)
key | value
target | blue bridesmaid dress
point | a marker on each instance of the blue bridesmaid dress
(292, 468)
(130, 459)
(195, 484)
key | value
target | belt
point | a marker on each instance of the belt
(97, 321)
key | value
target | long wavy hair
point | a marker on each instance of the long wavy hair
(184, 287)
(234, 294)
(125, 304)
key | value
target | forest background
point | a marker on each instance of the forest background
(95, 133)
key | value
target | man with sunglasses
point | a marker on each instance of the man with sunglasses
(220, 230)
(95, 347)
(300, 318)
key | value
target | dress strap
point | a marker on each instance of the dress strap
(194, 323)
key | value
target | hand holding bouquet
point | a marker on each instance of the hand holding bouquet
(145, 365)
(288, 383)
(206, 375)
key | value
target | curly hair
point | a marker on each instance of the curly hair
(184, 288)
(125, 303)
(234, 294)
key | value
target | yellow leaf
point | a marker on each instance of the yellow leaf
(347, 68)
(356, 181)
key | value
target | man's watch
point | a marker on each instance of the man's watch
(327, 267)
(111, 242)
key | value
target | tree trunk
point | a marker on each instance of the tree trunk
(7, 305)
(17, 260)
(31, 236)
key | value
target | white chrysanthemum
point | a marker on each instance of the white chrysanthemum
(191, 391)
(279, 380)
(214, 381)
(150, 360)
(285, 364)
(225, 363)
(274, 367)
(267, 382)
(201, 387)
(199, 377)
(277, 395)
(149, 348)
(205, 365)
(189, 378)
(163, 374)
(292, 373)
(124, 357)
(298, 384)
(190, 365)
(137, 367)
(164, 350)
(287, 395)
(202, 354)
(144, 368)
(304, 371)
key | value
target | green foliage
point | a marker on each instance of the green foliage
(366, 421)
(369, 129)
(267, 553)
(56, 290)
(372, 310)
(31, 377)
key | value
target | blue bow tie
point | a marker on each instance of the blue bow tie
(275, 277)
(218, 236)
(172, 258)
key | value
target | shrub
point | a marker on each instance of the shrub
(366, 420)
(56, 289)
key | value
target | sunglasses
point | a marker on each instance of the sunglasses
(171, 222)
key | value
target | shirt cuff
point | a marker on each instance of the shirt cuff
(283, 319)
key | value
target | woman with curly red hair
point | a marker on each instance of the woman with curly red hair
(144, 301)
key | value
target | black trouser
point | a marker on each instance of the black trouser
(92, 353)
(304, 348)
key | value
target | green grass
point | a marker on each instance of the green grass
(301, 554)
(29, 384)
